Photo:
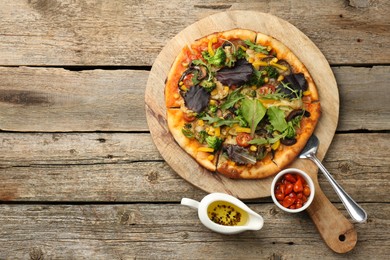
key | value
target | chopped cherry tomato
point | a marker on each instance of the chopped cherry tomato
(289, 188)
(306, 191)
(279, 195)
(306, 99)
(188, 80)
(189, 117)
(293, 195)
(282, 188)
(267, 89)
(298, 187)
(290, 178)
(243, 139)
(288, 201)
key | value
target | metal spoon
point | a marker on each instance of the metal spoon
(355, 211)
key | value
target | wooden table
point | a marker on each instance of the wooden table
(80, 177)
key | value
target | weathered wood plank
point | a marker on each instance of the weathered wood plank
(364, 98)
(133, 32)
(171, 231)
(39, 99)
(58, 100)
(75, 149)
(128, 167)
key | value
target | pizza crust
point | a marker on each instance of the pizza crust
(238, 34)
(176, 123)
(172, 96)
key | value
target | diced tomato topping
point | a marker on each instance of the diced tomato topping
(188, 79)
(243, 139)
(188, 117)
(267, 89)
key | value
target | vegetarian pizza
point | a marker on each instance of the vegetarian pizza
(241, 103)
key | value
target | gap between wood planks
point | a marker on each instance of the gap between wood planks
(355, 131)
(148, 68)
(82, 68)
(91, 203)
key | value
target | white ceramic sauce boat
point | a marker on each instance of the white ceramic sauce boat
(253, 222)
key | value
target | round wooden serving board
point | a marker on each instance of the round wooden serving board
(306, 51)
(335, 229)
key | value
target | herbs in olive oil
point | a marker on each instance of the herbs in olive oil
(227, 214)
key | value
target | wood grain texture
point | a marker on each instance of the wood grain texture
(48, 100)
(58, 100)
(365, 96)
(40, 32)
(171, 231)
(102, 167)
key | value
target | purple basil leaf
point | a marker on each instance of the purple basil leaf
(237, 75)
(240, 155)
(294, 82)
(197, 98)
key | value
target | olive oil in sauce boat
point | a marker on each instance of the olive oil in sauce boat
(225, 214)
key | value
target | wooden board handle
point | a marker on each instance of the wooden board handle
(335, 229)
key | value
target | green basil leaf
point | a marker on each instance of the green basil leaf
(276, 118)
(232, 99)
(219, 121)
(252, 111)
(276, 138)
(256, 47)
(211, 120)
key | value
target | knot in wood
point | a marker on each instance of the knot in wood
(127, 218)
(345, 167)
(36, 254)
(152, 176)
(185, 235)
(273, 211)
